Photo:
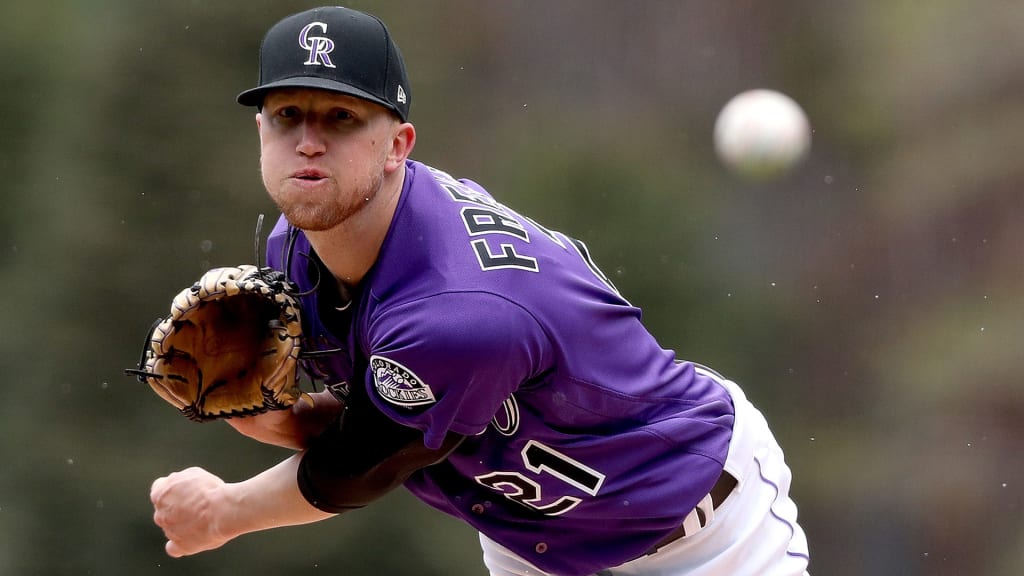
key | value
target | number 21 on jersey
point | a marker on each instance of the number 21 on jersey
(541, 459)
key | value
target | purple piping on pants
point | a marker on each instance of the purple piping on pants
(772, 510)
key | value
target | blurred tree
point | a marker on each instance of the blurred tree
(870, 302)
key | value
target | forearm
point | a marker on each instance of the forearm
(270, 499)
(338, 476)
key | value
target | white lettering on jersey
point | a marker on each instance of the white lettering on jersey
(544, 460)
(506, 421)
(484, 219)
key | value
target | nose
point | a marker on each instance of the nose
(311, 142)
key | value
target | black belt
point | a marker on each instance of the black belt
(719, 492)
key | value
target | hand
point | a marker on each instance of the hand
(295, 427)
(190, 508)
(316, 411)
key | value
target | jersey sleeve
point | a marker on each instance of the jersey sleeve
(446, 363)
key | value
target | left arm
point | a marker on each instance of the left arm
(294, 427)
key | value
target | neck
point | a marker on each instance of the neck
(350, 249)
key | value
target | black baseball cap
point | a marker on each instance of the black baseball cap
(333, 48)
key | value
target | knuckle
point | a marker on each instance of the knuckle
(157, 485)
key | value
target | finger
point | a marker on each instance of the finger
(173, 549)
(157, 487)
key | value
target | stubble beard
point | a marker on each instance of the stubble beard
(335, 208)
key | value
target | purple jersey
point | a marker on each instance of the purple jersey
(587, 442)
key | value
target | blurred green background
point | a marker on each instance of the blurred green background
(870, 302)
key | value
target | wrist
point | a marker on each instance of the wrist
(228, 518)
(276, 427)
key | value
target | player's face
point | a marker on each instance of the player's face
(324, 155)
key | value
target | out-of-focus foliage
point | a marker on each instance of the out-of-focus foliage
(872, 302)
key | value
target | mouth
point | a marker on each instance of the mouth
(309, 175)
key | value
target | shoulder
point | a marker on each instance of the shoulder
(471, 321)
(445, 363)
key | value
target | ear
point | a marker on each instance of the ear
(401, 146)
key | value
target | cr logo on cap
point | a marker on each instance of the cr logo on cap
(320, 47)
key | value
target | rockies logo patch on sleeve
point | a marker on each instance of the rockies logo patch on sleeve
(398, 385)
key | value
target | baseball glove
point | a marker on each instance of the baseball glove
(229, 346)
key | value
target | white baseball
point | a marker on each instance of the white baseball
(761, 133)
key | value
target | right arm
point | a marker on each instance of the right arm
(345, 467)
(198, 511)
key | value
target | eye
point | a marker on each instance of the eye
(342, 115)
(288, 112)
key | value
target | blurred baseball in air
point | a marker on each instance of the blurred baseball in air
(760, 134)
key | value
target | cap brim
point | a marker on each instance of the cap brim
(254, 96)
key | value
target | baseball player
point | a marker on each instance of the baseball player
(473, 356)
